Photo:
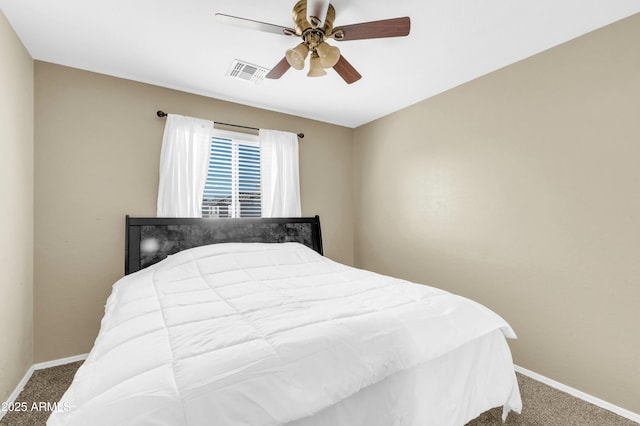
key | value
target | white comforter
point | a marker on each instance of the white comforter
(258, 334)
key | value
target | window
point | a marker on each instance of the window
(233, 179)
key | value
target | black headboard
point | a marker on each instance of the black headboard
(149, 239)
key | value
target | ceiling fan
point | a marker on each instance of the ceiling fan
(314, 24)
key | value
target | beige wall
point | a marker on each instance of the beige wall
(522, 190)
(16, 209)
(97, 152)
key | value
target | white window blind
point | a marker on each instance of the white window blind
(232, 188)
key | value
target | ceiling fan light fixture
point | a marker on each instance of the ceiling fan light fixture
(315, 67)
(296, 56)
(329, 55)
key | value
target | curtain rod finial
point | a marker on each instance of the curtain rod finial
(161, 114)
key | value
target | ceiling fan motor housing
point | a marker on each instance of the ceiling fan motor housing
(303, 25)
(322, 55)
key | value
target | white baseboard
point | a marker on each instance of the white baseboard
(39, 366)
(17, 390)
(580, 395)
(61, 361)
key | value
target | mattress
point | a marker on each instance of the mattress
(276, 334)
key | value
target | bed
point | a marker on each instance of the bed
(245, 322)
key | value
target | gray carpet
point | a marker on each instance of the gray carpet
(546, 406)
(45, 385)
(543, 406)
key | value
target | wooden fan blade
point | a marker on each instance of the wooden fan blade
(346, 71)
(396, 27)
(280, 68)
(254, 25)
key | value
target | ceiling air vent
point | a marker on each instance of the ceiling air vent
(244, 71)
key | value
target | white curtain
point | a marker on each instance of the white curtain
(184, 161)
(279, 175)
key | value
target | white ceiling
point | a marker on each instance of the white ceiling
(179, 45)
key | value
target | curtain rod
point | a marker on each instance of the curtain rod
(163, 114)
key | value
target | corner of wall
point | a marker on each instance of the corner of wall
(16, 214)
